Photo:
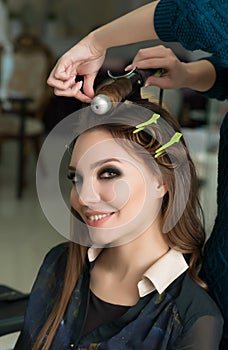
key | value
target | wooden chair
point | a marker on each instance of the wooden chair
(32, 64)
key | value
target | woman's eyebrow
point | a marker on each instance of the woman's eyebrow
(103, 161)
(98, 163)
(72, 168)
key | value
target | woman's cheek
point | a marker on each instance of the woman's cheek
(74, 198)
(117, 194)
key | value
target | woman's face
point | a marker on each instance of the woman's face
(114, 192)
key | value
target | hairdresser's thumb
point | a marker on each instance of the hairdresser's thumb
(88, 85)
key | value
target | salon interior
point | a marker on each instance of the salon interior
(33, 32)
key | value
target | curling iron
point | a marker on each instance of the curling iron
(119, 88)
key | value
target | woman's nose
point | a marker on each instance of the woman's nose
(87, 193)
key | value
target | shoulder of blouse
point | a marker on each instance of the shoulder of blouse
(194, 302)
(54, 255)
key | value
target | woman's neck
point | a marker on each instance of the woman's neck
(136, 256)
(118, 270)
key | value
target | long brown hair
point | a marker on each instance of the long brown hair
(186, 236)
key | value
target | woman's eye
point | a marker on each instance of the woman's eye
(75, 178)
(109, 173)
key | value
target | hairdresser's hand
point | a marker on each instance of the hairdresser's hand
(175, 71)
(199, 75)
(83, 59)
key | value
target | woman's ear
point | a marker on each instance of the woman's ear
(161, 189)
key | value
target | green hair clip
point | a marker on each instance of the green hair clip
(175, 138)
(152, 120)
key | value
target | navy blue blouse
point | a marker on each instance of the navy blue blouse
(183, 316)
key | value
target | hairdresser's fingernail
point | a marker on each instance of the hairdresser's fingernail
(147, 84)
(80, 83)
(128, 68)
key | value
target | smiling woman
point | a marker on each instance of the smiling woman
(128, 279)
(115, 193)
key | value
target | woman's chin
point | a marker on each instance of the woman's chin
(103, 238)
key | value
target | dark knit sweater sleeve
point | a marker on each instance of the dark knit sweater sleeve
(220, 88)
(195, 24)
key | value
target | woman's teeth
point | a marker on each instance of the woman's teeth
(98, 217)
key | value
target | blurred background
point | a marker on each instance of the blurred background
(33, 35)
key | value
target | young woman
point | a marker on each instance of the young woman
(130, 281)
(196, 25)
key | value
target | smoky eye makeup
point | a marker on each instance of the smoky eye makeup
(109, 173)
(74, 176)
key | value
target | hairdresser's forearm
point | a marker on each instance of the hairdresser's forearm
(133, 27)
(200, 75)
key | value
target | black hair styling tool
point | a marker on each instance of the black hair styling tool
(117, 89)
